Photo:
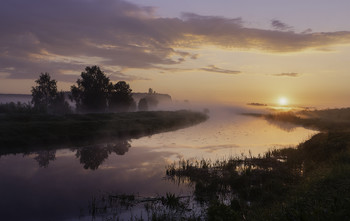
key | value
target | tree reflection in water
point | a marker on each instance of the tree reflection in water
(44, 157)
(93, 156)
(90, 156)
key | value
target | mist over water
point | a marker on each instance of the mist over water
(226, 133)
(60, 184)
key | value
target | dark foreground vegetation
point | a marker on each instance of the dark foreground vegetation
(28, 130)
(309, 182)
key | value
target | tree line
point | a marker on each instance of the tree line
(93, 92)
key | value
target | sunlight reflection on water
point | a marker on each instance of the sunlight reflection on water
(225, 134)
(59, 184)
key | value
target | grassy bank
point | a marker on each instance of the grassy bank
(23, 130)
(309, 182)
(322, 120)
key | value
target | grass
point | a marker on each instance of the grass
(20, 131)
(309, 182)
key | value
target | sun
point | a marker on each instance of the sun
(283, 101)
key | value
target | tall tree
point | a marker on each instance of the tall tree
(44, 93)
(92, 91)
(120, 98)
(46, 98)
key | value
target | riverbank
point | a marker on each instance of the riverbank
(25, 130)
(321, 120)
(309, 182)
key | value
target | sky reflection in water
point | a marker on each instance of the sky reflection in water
(226, 134)
(58, 184)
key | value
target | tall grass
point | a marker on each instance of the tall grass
(303, 183)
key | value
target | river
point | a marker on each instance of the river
(61, 184)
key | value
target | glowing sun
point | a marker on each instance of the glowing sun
(283, 101)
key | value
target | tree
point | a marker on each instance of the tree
(59, 105)
(46, 98)
(121, 98)
(44, 93)
(143, 105)
(92, 91)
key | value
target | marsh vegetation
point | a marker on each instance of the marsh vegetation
(309, 182)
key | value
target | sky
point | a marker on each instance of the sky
(229, 51)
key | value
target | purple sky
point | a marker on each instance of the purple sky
(129, 38)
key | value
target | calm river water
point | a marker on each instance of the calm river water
(61, 184)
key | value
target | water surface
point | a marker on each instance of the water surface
(60, 184)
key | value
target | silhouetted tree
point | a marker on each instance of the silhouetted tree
(46, 98)
(92, 91)
(44, 92)
(143, 105)
(120, 98)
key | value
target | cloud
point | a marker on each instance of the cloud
(68, 35)
(292, 74)
(209, 68)
(280, 25)
(307, 31)
(213, 68)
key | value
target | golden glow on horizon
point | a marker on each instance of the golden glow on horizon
(260, 79)
(283, 101)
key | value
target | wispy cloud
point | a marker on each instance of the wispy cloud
(56, 36)
(213, 68)
(292, 74)
(276, 24)
(209, 68)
